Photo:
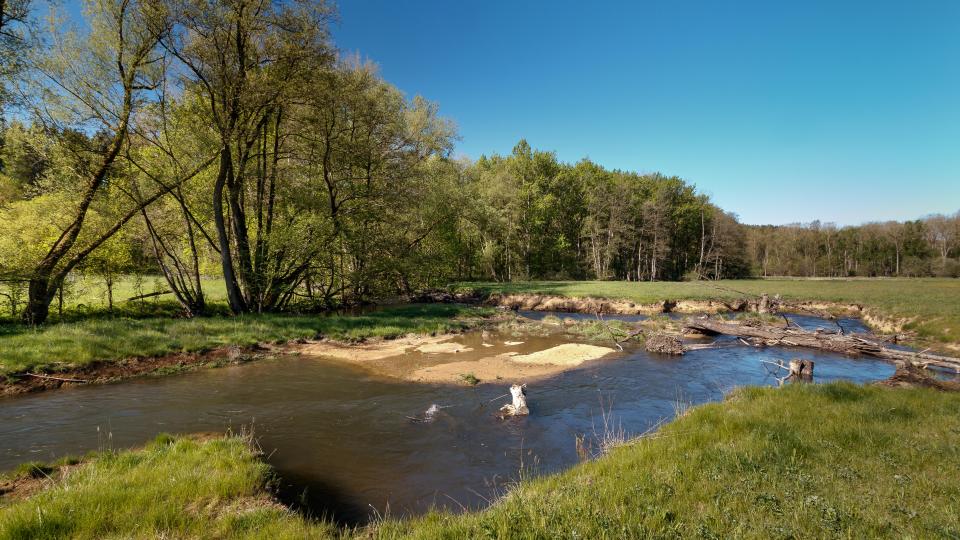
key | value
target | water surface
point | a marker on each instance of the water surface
(344, 439)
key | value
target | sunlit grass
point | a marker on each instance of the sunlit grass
(70, 345)
(932, 305)
(175, 487)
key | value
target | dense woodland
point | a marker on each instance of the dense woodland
(230, 139)
(920, 248)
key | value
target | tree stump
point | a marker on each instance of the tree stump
(801, 369)
(519, 405)
(764, 305)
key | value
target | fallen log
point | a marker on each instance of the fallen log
(148, 295)
(50, 377)
(839, 343)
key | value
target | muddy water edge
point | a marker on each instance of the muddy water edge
(352, 442)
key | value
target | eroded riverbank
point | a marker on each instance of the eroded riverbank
(109, 350)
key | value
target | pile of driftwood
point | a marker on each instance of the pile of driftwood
(761, 334)
(664, 344)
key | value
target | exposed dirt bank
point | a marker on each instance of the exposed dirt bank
(915, 377)
(540, 302)
(113, 371)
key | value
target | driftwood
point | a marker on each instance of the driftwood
(51, 378)
(797, 370)
(699, 346)
(664, 344)
(766, 334)
(148, 295)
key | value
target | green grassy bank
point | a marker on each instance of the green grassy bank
(77, 344)
(931, 305)
(813, 461)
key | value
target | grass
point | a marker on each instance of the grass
(175, 487)
(76, 344)
(931, 306)
(86, 297)
(602, 331)
(809, 461)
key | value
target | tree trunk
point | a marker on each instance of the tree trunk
(110, 294)
(38, 301)
(234, 295)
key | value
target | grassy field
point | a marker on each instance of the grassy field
(809, 461)
(86, 297)
(932, 305)
(75, 344)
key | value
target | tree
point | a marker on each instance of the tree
(15, 37)
(98, 84)
(248, 60)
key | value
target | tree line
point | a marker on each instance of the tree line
(230, 139)
(924, 247)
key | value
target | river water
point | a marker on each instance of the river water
(346, 443)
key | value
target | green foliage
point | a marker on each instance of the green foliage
(533, 217)
(304, 180)
(924, 247)
(33, 469)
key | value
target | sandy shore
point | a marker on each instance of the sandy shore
(447, 359)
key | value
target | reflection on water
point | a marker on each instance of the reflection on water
(343, 438)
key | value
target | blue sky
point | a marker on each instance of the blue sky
(781, 111)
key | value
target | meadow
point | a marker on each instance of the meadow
(70, 345)
(929, 306)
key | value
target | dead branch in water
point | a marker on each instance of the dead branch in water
(838, 343)
(700, 346)
(611, 332)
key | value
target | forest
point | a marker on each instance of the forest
(230, 139)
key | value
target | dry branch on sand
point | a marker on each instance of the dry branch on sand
(765, 334)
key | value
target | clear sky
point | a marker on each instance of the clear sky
(843, 111)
